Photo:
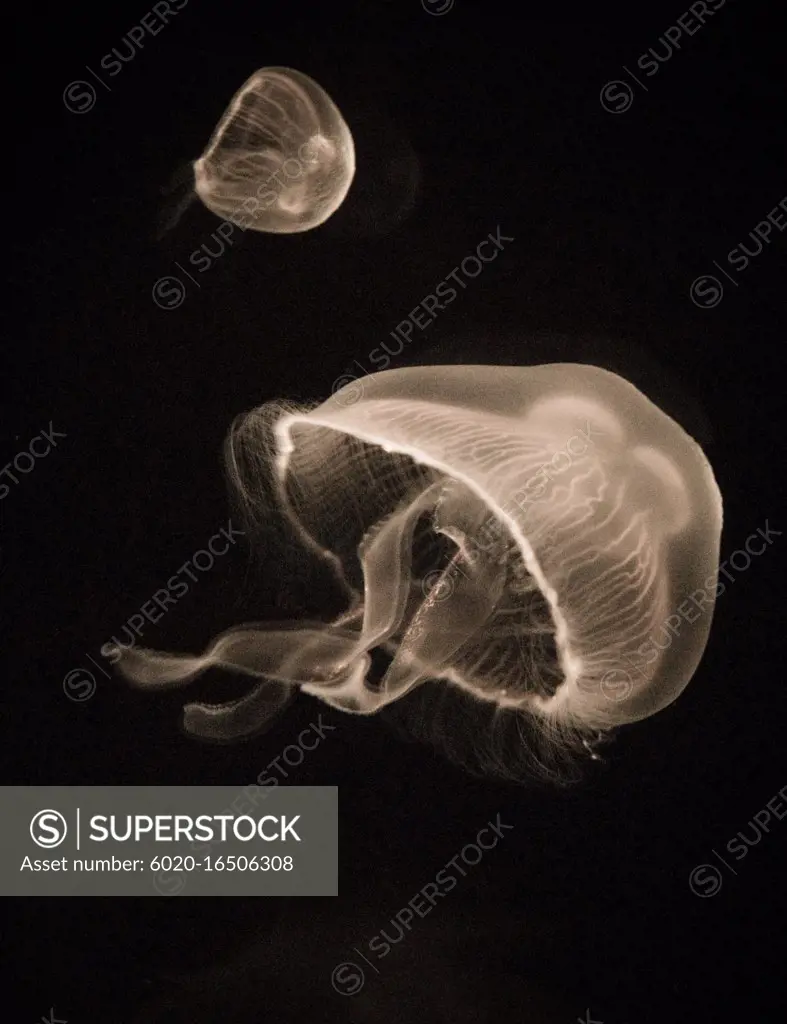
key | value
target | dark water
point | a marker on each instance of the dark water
(482, 120)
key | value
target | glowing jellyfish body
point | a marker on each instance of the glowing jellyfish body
(281, 159)
(525, 535)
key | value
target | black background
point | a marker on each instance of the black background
(486, 115)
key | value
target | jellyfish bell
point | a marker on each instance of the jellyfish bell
(542, 541)
(281, 158)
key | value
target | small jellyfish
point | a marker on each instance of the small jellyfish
(529, 539)
(281, 158)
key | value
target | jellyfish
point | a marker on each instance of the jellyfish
(281, 158)
(540, 542)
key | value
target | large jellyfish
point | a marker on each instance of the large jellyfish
(281, 158)
(541, 542)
